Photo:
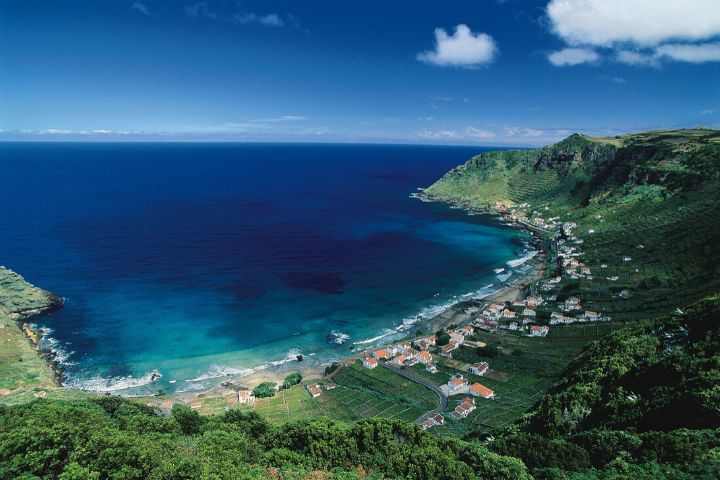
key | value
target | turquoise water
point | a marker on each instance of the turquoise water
(189, 263)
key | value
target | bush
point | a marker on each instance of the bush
(290, 380)
(265, 389)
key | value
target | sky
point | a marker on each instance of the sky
(481, 72)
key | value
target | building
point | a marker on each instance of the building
(513, 326)
(431, 368)
(528, 312)
(457, 382)
(462, 410)
(195, 405)
(370, 362)
(508, 314)
(314, 390)
(539, 331)
(478, 368)
(381, 355)
(480, 391)
(424, 357)
(246, 397)
(456, 338)
(399, 360)
(329, 386)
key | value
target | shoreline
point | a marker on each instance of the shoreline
(455, 314)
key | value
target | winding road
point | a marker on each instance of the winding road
(405, 373)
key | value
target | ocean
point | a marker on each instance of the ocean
(185, 264)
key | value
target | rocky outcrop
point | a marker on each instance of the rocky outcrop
(19, 299)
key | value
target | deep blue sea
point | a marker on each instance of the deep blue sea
(199, 261)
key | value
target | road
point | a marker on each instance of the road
(405, 373)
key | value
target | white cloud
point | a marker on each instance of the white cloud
(529, 132)
(474, 132)
(102, 131)
(511, 131)
(708, 52)
(704, 112)
(618, 80)
(573, 56)
(635, 58)
(271, 20)
(463, 49)
(140, 8)
(645, 23)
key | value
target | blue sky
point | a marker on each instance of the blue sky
(482, 72)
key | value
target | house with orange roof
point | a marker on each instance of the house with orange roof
(167, 405)
(467, 330)
(432, 339)
(462, 410)
(437, 419)
(456, 338)
(410, 353)
(403, 346)
(40, 394)
(391, 350)
(508, 314)
(431, 368)
(478, 368)
(194, 405)
(539, 331)
(529, 312)
(4, 391)
(457, 382)
(314, 390)
(370, 362)
(427, 423)
(424, 357)
(480, 391)
(246, 397)
(381, 355)
(412, 361)
(232, 400)
(423, 344)
(399, 360)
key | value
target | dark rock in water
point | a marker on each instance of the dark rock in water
(300, 358)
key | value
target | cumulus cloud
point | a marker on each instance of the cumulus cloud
(641, 32)
(474, 132)
(641, 22)
(573, 56)
(709, 52)
(463, 49)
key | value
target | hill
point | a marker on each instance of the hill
(644, 205)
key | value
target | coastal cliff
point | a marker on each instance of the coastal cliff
(20, 347)
(19, 299)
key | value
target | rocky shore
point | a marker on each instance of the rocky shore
(20, 300)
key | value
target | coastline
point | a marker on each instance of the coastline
(455, 314)
(20, 301)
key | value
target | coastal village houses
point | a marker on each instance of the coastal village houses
(314, 390)
(478, 369)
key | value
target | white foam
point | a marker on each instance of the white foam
(521, 260)
(504, 276)
(375, 339)
(102, 385)
(192, 387)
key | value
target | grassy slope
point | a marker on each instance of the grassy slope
(660, 189)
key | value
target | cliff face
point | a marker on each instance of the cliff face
(19, 299)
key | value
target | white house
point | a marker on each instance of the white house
(478, 368)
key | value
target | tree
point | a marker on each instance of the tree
(290, 380)
(265, 389)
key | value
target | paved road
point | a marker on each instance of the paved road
(443, 398)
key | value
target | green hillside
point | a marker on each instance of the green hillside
(653, 197)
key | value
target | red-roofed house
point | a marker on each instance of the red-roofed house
(539, 331)
(456, 338)
(481, 391)
(424, 357)
(381, 355)
(196, 405)
(457, 382)
(399, 360)
(370, 362)
(431, 368)
(246, 397)
(462, 411)
(314, 390)
(508, 314)
(167, 405)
